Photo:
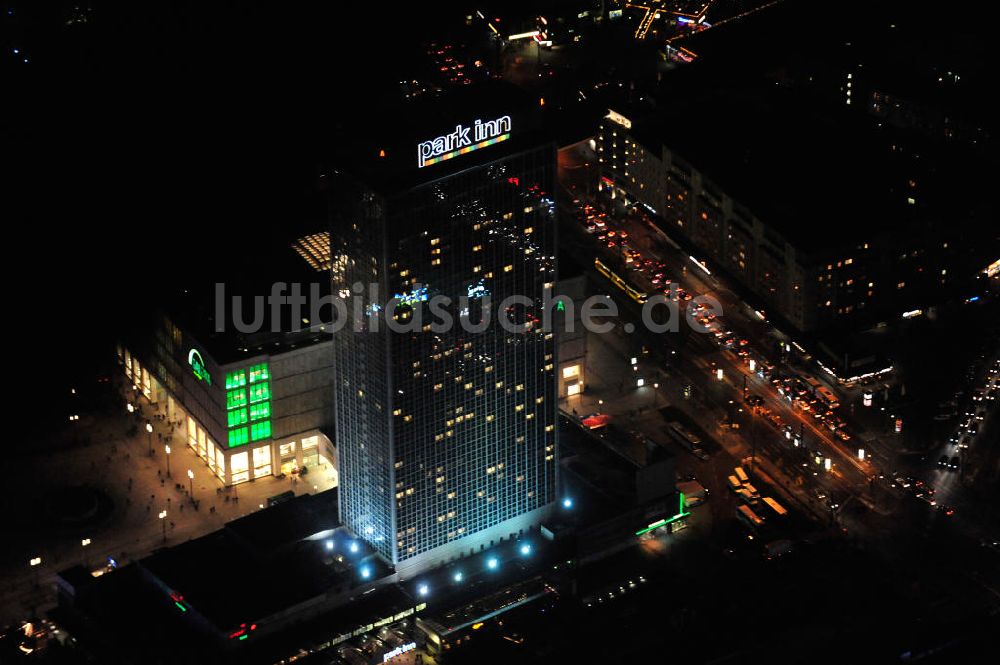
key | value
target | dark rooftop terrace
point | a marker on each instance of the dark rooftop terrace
(262, 563)
(250, 275)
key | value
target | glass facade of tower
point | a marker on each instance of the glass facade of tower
(445, 431)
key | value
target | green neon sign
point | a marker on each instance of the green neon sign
(667, 520)
(198, 367)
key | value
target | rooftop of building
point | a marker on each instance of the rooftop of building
(252, 273)
(381, 147)
(229, 576)
(254, 567)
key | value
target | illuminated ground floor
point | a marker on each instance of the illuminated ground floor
(309, 453)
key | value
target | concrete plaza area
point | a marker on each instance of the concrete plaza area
(125, 466)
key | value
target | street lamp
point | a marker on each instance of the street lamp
(131, 409)
(163, 521)
(149, 435)
(34, 563)
(83, 544)
(166, 449)
(191, 483)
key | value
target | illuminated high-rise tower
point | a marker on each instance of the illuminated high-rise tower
(446, 436)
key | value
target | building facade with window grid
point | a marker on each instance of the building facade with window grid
(446, 438)
(249, 417)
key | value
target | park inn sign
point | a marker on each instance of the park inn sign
(464, 139)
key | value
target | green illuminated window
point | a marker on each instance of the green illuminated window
(236, 398)
(259, 392)
(237, 417)
(238, 436)
(236, 379)
(261, 430)
(248, 387)
(259, 373)
(262, 410)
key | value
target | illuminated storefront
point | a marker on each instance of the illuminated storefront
(252, 418)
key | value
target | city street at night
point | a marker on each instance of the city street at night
(510, 332)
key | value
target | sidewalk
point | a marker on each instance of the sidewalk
(120, 467)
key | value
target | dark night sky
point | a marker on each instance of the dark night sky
(141, 145)
(162, 141)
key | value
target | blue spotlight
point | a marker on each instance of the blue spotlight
(525, 549)
(492, 563)
(457, 576)
(366, 572)
(423, 590)
(567, 503)
(354, 546)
